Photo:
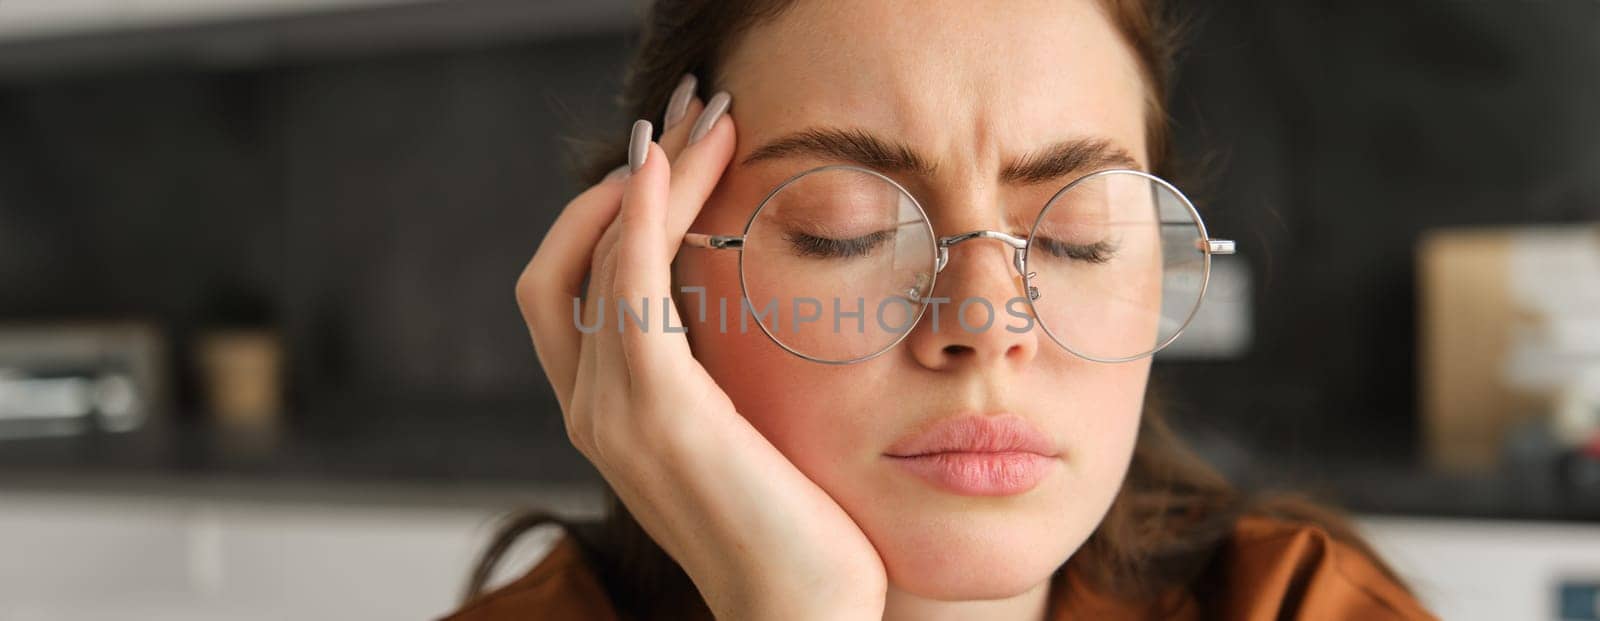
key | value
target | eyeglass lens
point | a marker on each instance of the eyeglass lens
(1118, 263)
(836, 263)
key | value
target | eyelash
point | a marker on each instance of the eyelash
(1097, 253)
(829, 248)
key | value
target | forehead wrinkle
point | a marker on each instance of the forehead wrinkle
(919, 77)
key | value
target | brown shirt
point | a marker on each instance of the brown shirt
(1270, 570)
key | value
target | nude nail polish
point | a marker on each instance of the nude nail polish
(708, 118)
(678, 104)
(638, 145)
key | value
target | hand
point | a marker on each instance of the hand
(758, 538)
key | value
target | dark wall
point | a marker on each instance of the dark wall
(1327, 136)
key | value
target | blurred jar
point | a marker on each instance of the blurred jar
(241, 370)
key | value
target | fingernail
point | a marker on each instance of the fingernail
(678, 104)
(708, 118)
(618, 172)
(638, 145)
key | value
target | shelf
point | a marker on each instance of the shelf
(447, 447)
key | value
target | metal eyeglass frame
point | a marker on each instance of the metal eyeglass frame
(1019, 257)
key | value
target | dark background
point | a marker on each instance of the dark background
(374, 193)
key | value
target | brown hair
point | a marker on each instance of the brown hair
(1173, 511)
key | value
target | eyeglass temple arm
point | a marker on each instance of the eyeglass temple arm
(1217, 246)
(714, 242)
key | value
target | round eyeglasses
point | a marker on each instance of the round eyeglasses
(837, 265)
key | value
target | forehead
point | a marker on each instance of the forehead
(969, 83)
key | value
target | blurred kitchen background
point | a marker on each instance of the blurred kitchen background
(259, 356)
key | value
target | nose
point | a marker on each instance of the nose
(977, 315)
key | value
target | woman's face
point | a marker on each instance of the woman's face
(970, 88)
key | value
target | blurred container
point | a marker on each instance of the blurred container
(242, 370)
(1509, 322)
(73, 378)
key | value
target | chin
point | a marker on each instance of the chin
(978, 552)
(976, 566)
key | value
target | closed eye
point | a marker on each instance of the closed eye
(809, 245)
(1099, 252)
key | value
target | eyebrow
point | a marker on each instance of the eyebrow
(861, 147)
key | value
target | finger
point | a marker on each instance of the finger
(550, 280)
(678, 103)
(601, 300)
(699, 167)
(642, 273)
(601, 295)
(676, 136)
(581, 418)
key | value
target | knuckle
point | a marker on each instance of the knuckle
(534, 281)
(614, 441)
(528, 280)
(619, 435)
(602, 447)
(525, 296)
(580, 432)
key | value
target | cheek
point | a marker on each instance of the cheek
(1106, 402)
(773, 389)
(1102, 428)
(1095, 409)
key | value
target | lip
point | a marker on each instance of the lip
(972, 433)
(975, 455)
